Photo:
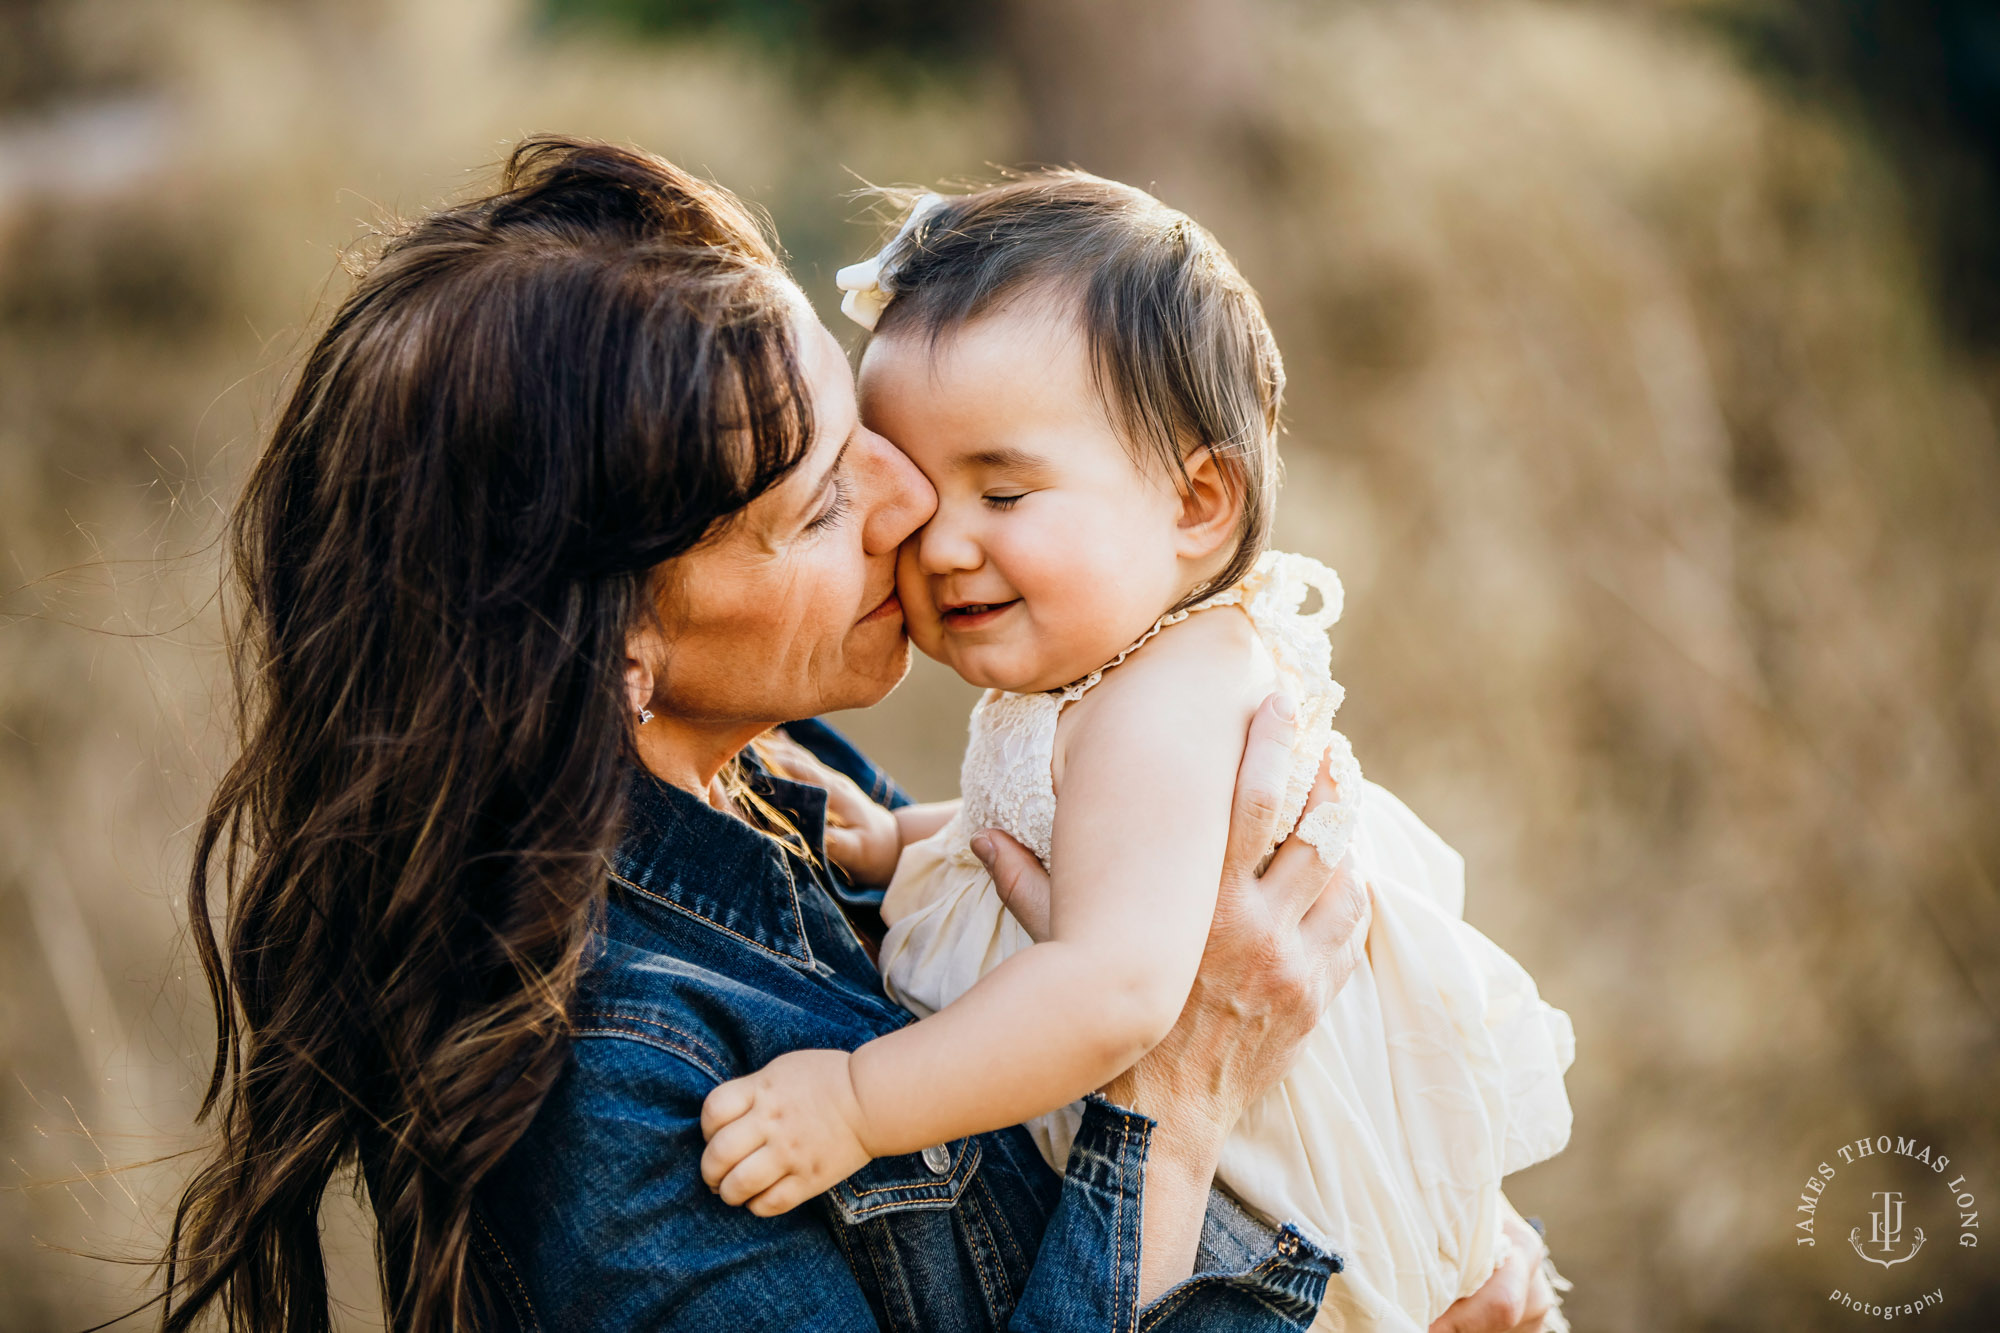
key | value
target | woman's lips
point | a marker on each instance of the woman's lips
(976, 615)
(891, 606)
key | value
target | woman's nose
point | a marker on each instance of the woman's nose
(898, 496)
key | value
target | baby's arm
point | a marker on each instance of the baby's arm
(914, 823)
(1146, 765)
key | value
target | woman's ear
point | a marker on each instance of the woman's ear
(641, 651)
(1211, 505)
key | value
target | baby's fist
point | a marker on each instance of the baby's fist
(783, 1134)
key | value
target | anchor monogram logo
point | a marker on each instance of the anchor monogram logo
(1885, 1231)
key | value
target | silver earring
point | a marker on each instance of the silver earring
(645, 716)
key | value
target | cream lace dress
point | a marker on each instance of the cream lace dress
(1436, 1071)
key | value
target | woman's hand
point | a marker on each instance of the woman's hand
(1516, 1299)
(1280, 947)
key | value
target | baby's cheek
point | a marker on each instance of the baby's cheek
(923, 629)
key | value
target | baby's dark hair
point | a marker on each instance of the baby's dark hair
(1180, 350)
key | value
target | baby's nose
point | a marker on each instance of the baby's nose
(945, 548)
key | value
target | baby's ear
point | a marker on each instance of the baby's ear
(1211, 504)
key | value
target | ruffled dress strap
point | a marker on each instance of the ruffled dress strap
(1275, 595)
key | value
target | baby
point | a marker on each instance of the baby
(1092, 388)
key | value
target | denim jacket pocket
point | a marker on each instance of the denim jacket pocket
(931, 1180)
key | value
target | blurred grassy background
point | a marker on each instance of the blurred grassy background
(1644, 360)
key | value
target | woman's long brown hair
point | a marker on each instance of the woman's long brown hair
(528, 402)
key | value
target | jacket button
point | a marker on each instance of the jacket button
(938, 1158)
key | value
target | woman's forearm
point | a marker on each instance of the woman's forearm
(1180, 1170)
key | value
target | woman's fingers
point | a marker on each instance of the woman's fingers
(1335, 927)
(1019, 878)
(1508, 1301)
(1298, 877)
(1260, 785)
(1541, 1300)
(1541, 1296)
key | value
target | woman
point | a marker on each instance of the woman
(568, 508)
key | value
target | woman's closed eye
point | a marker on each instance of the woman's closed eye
(837, 506)
(1005, 500)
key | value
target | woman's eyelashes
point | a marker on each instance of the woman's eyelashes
(837, 506)
(1005, 501)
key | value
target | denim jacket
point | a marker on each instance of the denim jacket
(718, 951)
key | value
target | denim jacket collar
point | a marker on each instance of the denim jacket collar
(685, 855)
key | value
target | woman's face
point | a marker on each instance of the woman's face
(792, 610)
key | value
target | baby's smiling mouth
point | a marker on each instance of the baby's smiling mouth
(972, 615)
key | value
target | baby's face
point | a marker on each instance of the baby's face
(1051, 549)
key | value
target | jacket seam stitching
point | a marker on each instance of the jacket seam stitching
(696, 1043)
(798, 911)
(871, 1209)
(657, 1043)
(805, 950)
(844, 1240)
(524, 1308)
(1132, 1301)
(999, 1217)
(889, 1272)
(986, 1262)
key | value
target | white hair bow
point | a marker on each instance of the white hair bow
(868, 288)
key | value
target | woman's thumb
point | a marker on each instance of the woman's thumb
(1018, 877)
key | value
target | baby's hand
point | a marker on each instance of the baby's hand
(783, 1134)
(862, 837)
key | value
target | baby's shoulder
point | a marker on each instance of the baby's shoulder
(1217, 640)
(1213, 659)
(1177, 703)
